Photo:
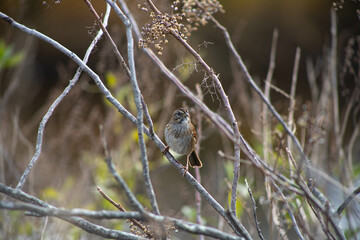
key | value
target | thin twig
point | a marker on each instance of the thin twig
(259, 92)
(147, 116)
(291, 214)
(347, 201)
(107, 34)
(44, 228)
(292, 104)
(134, 202)
(280, 91)
(315, 201)
(334, 91)
(118, 206)
(312, 81)
(254, 210)
(268, 80)
(333, 76)
(197, 170)
(153, 7)
(267, 144)
(324, 227)
(352, 141)
(66, 91)
(352, 101)
(231, 158)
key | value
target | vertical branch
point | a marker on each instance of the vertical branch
(136, 204)
(292, 102)
(268, 80)
(311, 76)
(266, 130)
(122, 209)
(334, 90)
(291, 214)
(254, 210)
(333, 75)
(66, 91)
(147, 116)
(236, 172)
(252, 83)
(139, 106)
(197, 170)
(350, 149)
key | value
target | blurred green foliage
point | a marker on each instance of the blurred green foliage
(9, 58)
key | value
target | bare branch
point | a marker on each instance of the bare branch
(66, 91)
(44, 211)
(292, 102)
(118, 206)
(72, 217)
(312, 80)
(134, 202)
(254, 210)
(107, 34)
(325, 210)
(77, 221)
(290, 212)
(267, 143)
(259, 92)
(139, 106)
(147, 116)
(197, 170)
(348, 200)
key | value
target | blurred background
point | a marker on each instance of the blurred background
(33, 74)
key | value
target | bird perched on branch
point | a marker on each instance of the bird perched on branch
(180, 135)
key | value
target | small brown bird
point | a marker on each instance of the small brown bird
(180, 135)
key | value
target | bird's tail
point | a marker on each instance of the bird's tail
(194, 160)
